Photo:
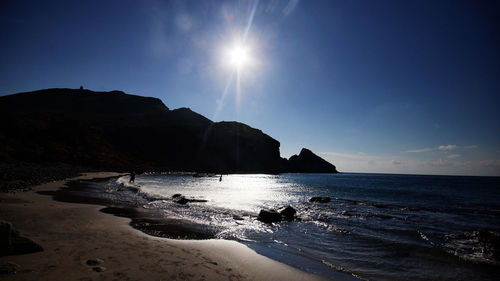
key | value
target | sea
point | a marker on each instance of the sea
(376, 226)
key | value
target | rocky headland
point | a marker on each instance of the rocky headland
(118, 131)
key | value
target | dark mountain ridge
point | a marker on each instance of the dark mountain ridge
(114, 130)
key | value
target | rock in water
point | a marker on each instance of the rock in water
(134, 189)
(182, 201)
(319, 199)
(288, 213)
(238, 218)
(269, 216)
(197, 200)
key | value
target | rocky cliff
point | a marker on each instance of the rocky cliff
(308, 162)
(114, 130)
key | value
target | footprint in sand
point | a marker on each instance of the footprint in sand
(92, 262)
(99, 268)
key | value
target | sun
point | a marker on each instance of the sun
(238, 56)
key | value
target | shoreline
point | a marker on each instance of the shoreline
(72, 233)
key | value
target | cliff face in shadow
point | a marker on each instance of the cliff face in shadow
(114, 130)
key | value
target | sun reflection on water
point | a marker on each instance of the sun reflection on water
(237, 192)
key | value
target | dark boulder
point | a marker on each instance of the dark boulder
(9, 268)
(177, 195)
(133, 189)
(6, 232)
(318, 199)
(11, 243)
(269, 216)
(197, 200)
(238, 218)
(183, 200)
(288, 213)
(490, 242)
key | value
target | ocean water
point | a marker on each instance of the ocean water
(376, 227)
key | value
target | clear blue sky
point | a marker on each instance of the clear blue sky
(372, 86)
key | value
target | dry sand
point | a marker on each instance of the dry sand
(71, 234)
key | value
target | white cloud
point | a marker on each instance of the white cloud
(356, 162)
(491, 163)
(444, 148)
(419, 150)
(447, 147)
(184, 22)
(292, 4)
(471, 146)
(437, 162)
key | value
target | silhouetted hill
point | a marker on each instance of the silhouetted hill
(308, 162)
(114, 130)
(81, 102)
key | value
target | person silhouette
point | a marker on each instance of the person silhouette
(132, 177)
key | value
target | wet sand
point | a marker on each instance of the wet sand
(71, 234)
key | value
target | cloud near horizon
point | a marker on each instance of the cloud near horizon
(434, 163)
(441, 148)
(447, 147)
(419, 150)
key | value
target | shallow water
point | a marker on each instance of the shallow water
(377, 227)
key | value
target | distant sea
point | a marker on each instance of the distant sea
(377, 226)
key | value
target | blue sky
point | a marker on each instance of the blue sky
(371, 86)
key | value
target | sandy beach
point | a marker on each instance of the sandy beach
(71, 234)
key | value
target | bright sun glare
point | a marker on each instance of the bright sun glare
(238, 56)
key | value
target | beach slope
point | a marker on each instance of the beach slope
(82, 243)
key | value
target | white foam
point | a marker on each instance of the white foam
(125, 181)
